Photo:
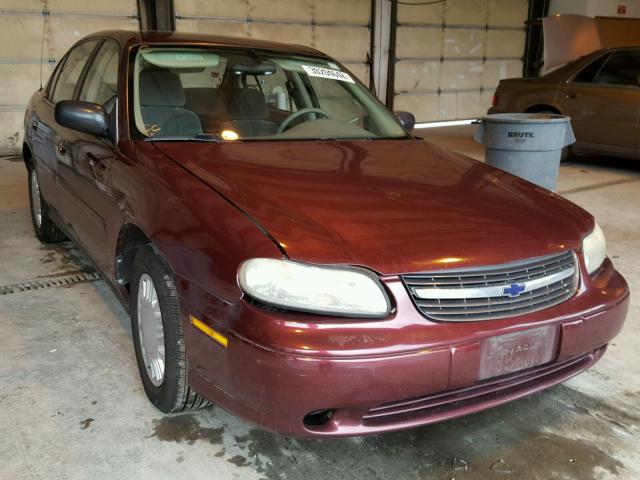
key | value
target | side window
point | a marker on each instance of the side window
(71, 70)
(589, 72)
(101, 83)
(622, 69)
(337, 102)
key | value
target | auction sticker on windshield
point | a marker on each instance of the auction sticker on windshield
(327, 73)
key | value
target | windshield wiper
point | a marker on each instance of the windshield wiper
(203, 137)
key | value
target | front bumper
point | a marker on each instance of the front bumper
(390, 375)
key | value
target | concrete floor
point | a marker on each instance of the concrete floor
(72, 407)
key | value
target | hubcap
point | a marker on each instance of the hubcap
(150, 330)
(36, 206)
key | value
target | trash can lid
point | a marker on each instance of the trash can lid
(526, 118)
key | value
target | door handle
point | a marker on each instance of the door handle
(571, 95)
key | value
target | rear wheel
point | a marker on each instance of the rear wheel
(157, 335)
(43, 226)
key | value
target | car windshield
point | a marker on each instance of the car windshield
(230, 95)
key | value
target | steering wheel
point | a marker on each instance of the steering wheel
(303, 111)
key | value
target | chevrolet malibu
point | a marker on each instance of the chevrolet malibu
(288, 251)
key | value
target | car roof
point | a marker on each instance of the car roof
(128, 37)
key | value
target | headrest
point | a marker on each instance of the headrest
(160, 88)
(205, 101)
(247, 104)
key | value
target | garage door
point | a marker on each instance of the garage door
(451, 55)
(341, 30)
(34, 34)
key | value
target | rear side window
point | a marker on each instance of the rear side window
(101, 83)
(622, 69)
(590, 71)
(71, 70)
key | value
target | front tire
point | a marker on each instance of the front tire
(43, 226)
(157, 334)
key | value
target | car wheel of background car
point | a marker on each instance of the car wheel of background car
(45, 229)
(157, 334)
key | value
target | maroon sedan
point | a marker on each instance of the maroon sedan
(288, 251)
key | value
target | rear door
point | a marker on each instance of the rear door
(84, 178)
(603, 101)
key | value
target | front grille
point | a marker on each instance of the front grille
(494, 292)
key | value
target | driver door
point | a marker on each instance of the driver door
(86, 174)
(603, 102)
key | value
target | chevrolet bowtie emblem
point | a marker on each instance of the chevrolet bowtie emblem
(513, 290)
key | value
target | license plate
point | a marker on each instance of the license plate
(518, 351)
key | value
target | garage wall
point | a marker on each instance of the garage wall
(337, 27)
(594, 8)
(34, 35)
(451, 55)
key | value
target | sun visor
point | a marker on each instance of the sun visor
(180, 58)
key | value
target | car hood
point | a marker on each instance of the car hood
(394, 206)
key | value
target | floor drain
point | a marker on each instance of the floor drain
(61, 280)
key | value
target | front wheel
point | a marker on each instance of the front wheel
(43, 226)
(157, 335)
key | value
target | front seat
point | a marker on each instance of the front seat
(162, 101)
(248, 112)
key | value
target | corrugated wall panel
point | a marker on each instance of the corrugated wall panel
(332, 26)
(34, 35)
(451, 55)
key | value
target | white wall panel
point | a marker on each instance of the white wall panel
(507, 13)
(461, 75)
(451, 55)
(464, 43)
(494, 70)
(338, 28)
(466, 12)
(418, 42)
(596, 8)
(505, 43)
(35, 33)
(418, 75)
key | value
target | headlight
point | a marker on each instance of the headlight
(327, 290)
(594, 249)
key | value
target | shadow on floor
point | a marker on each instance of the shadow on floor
(624, 165)
(521, 439)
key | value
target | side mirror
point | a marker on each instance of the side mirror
(82, 116)
(406, 119)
